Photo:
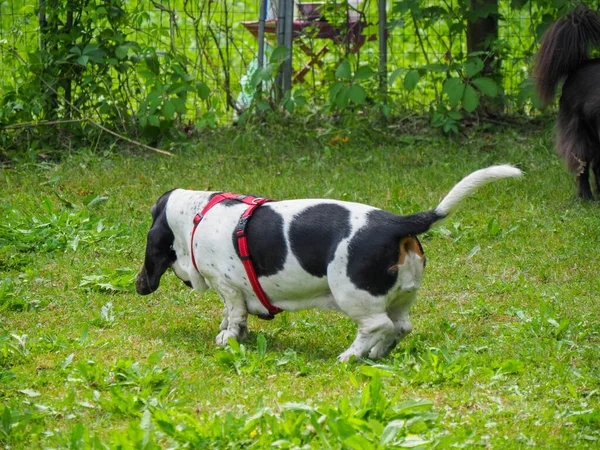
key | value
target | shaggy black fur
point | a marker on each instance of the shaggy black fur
(564, 55)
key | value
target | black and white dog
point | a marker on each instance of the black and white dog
(329, 254)
(563, 55)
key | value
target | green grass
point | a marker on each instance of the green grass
(504, 353)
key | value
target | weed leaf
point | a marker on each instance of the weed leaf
(512, 366)
(96, 200)
(30, 393)
(6, 420)
(67, 361)
(358, 442)
(261, 345)
(155, 357)
(411, 79)
(474, 251)
(391, 431)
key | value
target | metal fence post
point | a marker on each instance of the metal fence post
(285, 19)
(262, 15)
(280, 34)
(381, 6)
(288, 42)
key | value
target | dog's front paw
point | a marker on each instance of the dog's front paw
(224, 324)
(349, 356)
(223, 337)
(382, 349)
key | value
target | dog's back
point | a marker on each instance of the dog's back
(564, 49)
(581, 91)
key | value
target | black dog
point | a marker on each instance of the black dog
(564, 55)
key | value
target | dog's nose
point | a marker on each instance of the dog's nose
(142, 286)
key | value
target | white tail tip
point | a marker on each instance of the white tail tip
(471, 182)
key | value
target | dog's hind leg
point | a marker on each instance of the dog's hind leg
(596, 158)
(398, 312)
(375, 329)
(582, 179)
(225, 321)
(573, 143)
(235, 322)
(596, 169)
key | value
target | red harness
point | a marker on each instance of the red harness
(242, 242)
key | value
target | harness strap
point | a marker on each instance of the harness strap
(198, 217)
(242, 241)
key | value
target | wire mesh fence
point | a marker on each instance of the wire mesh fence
(214, 42)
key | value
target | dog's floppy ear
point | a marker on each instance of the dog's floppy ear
(159, 249)
(407, 244)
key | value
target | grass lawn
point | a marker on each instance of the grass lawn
(506, 341)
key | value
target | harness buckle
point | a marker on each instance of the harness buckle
(240, 229)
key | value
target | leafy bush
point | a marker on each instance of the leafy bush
(107, 59)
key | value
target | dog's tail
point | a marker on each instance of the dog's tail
(564, 48)
(470, 183)
(416, 224)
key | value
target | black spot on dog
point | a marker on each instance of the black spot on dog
(315, 234)
(375, 248)
(266, 242)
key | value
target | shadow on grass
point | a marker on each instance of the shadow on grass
(192, 339)
(309, 347)
(202, 340)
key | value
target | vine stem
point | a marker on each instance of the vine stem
(41, 124)
(424, 54)
(85, 118)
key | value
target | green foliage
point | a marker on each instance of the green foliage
(447, 119)
(9, 295)
(110, 280)
(264, 94)
(164, 71)
(14, 349)
(48, 229)
(348, 90)
(469, 81)
(93, 64)
(168, 87)
(371, 421)
(236, 357)
(14, 295)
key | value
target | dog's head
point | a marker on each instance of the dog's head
(159, 249)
